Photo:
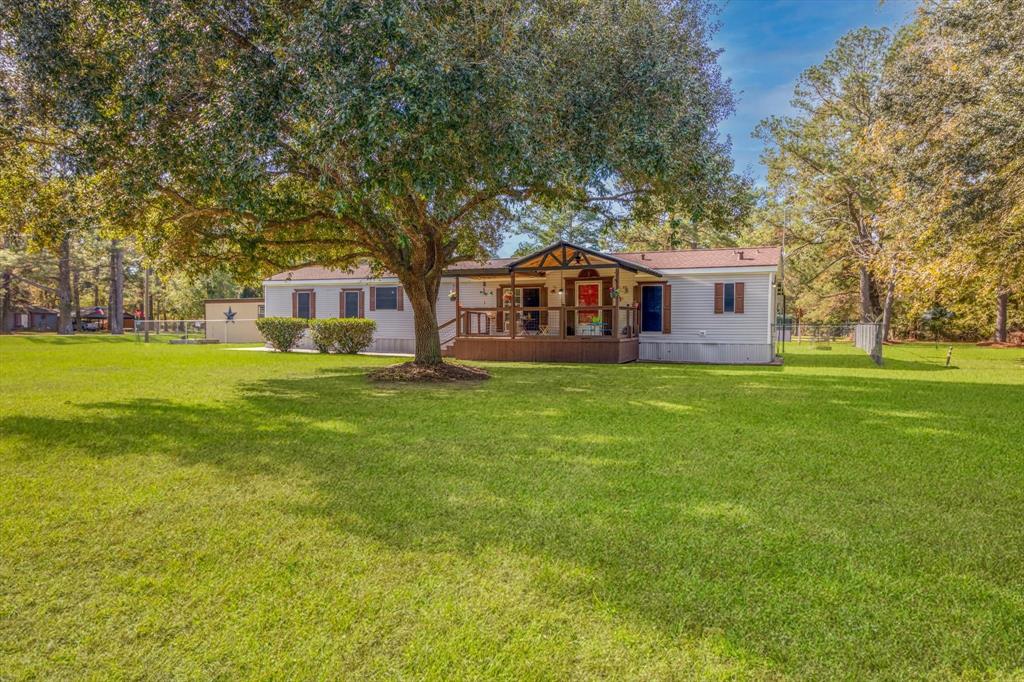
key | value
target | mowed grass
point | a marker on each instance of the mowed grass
(196, 512)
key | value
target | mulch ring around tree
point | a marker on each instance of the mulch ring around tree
(446, 372)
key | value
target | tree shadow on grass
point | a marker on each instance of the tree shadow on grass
(816, 515)
(828, 359)
(58, 340)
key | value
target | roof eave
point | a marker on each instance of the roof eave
(625, 264)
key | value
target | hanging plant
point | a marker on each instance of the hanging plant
(614, 293)
(452, 295)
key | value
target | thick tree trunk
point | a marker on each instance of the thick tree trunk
(6, 314)
(423, 298)
(1002, 300)
(887, 309)
(64, 323)
(76, 295)
(115, 312)
(867, 310)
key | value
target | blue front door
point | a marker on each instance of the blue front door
(650, 309)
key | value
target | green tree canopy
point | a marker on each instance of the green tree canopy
(270, 134)
(823, 160)
(954, 127)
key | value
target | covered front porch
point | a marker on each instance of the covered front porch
(564, 303)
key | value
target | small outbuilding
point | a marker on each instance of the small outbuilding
(33, 318)
(94, 319)
(233, 320)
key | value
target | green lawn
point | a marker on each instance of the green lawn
(191, 512)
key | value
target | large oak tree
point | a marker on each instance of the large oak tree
(266, 135)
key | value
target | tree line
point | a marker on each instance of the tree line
(898, 181)
(895, 186)
(89, 270)
(259, 136)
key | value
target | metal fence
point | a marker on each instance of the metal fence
(198, 331)
(866, 336)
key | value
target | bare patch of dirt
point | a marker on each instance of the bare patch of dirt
(446, 372)
(1001, 344)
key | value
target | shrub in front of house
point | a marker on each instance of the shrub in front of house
(283, 333)
(342, 335)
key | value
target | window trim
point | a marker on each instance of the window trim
(729, 306)
(360, 310)
(312, 302)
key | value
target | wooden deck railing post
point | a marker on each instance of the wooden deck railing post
(512, 314)
(615, 306)
(561, 301)
(458, 309)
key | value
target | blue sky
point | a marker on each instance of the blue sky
(768, 43)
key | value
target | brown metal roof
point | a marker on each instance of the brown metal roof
(738, 257)
(318, 272)
(758, 256)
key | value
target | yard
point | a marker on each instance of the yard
(191, 512)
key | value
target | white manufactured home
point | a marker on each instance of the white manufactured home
(566, 303)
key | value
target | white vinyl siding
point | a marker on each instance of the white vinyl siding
(701, 335)
(693, 310)
(395, 329)
(726, 337)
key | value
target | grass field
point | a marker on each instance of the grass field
(191, 512)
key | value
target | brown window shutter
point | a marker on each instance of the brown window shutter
(295, 304)
(399, 298)
(739, 298)
(362, 311)
(312, 305)
(719, 298)
(373, 298)
(666, 309)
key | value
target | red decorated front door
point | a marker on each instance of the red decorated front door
(588, 294)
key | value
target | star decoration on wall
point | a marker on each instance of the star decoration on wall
(230, 314)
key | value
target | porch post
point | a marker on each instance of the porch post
(512, 313)
(615, 306)
(561, 301)
(458, 309)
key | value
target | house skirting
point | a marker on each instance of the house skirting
(710, 353)
(542, 349)
(393, 346)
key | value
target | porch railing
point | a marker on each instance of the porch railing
(550, 321)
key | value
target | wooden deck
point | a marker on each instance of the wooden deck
(608, 350)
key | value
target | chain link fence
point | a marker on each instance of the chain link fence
(198, 331)
(866, 336)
